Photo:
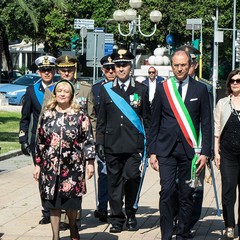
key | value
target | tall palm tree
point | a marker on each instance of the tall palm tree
(5, 57)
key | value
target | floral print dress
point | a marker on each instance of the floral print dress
(64, 143)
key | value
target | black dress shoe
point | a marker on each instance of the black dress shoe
(101, 215)
(191, 235)
(45, 220)
(131, 223)
(63, 226)
(115, 228)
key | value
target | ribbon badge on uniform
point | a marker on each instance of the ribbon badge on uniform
(135, 100)
(82, 101)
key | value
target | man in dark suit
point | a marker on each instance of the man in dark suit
(119, 142)
(152, 81)
(108, 69)
(31, 110)
(177, 119)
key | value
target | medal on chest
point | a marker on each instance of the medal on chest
(135, 100)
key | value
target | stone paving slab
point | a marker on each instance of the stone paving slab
(20, 209)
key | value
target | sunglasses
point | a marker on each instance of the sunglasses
(46, 69)
(67, 70)
(122, 64)
(151, 72)
(109, 68)
(235, 80)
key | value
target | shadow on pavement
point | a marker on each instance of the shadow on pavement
(96, 235)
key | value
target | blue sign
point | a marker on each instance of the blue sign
(108, 48)
(169, 39)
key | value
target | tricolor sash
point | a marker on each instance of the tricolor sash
(185, 122)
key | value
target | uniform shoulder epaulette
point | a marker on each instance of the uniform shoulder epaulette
(104, 82)
(84, 83)
(52, 84)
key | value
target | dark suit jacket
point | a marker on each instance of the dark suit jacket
(96, 98)
(114, 130)
(30, 107)
(165, 130)
(158, 80)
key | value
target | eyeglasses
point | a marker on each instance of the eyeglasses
(67, 70)
(46, 69)
(151, 72)
(232, 81)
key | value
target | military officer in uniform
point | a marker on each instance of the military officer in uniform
(108, 69)
(31, 109)
(66, 67)
(119, 142)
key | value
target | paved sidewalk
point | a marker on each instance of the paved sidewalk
(20, 209)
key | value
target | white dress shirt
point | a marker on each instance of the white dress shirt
(152, 89)
(184, 87)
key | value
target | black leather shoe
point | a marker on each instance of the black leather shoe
(131, 223)
(101, 215)
(115, 228)
(191, 235)
(45, 220)
(63, 226)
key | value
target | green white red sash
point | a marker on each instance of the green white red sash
(184, 120)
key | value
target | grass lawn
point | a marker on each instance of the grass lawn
(9, 128)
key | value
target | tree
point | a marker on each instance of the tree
(51, 22)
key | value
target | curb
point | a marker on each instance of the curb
(10, 154)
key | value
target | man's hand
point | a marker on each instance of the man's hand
(154, 162)
(101, 152)
(25, 148)
(201, 163)
(217, 160)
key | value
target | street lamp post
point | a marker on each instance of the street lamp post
(196, 24)
(134, 21)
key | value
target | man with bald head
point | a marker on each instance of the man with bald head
(180, 111)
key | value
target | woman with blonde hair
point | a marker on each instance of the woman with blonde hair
(64, 144)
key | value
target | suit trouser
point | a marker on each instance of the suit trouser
(123, 179)
(230, 174)
(102, 186)
(197, 200)
(179, 163)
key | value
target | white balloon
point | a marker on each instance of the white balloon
(166, 61)
(151, 60)
(158, 52)
(159, 60)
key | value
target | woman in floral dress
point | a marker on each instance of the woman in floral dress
(64, 144)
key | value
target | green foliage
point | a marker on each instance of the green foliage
(9, 128)
(51, 22)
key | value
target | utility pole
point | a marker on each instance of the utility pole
(215, 58)
(234, 36)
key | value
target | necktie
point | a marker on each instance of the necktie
(180, 88)
(123, 87)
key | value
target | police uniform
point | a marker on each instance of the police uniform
(101, 211)
(122, 144)
(30, 114)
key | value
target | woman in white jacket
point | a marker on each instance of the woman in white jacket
(227, 149)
